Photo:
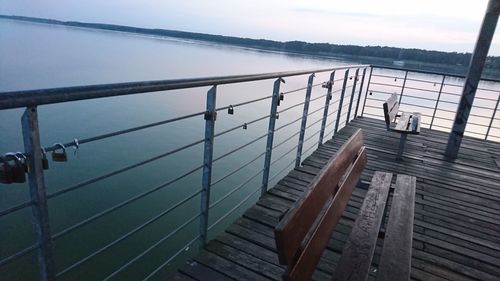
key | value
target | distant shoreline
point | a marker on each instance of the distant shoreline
(449, 62)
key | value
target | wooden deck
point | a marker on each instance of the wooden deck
(457, 212)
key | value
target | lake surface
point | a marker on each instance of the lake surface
(43, 56)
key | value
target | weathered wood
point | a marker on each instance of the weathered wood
(391, 108)
(296, 223)
(358, 251)
(197, 271)
(456, 224)
(396, 253)
(316, 239)
(403, 122)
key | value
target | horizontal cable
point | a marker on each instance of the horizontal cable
(239, 148)
(422, 106)
(218, 201)
(381, 92)
(387, 76)
(150, 248)
(16, 208)
(124, 203)
(300, 118)
(122, 170)
(128, 234)
(240, 125)
(19, 254)
(234, 208)
(171, 258)
(384, 84)
(489, 90)
(243, 103)
(282, 170)
(300, 89)
(121, 132)
(420, 89)
(417, 97)
(425, 81)
(284, 154)
(238, 169)
(286, 140)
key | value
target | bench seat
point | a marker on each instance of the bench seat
(405, 123)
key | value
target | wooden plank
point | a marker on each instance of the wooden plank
(391, 108)
(358, 251)
(230, 268)
(403, 122)
(197, 271)
(317, 238)
(248, 261)
(395, 261)
(177, 276)
(297, 221)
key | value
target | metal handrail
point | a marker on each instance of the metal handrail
(16, 99)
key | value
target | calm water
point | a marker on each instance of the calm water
(41, 56)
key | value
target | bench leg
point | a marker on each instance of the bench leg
(402, 142)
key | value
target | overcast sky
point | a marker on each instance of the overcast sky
(448, 25)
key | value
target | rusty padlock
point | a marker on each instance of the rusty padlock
(45, 161)
(18, 173)
(23, 159)
(59, 156)
(6, 174)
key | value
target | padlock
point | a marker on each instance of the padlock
(18, 173)
(230, 110)
(6, 173)
(45, 161)
(282, 96)
(23, 159)
(245, 126)
(59, 156)
(277, 116)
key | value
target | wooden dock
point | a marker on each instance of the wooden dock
(457, 212)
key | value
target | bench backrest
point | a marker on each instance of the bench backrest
(391, 107)
(304, 231)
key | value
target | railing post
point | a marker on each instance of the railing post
(403, 87)
(339, 111)
(359, 94)
(270, 134)
(327, 105)
(492, 117)
(437, 101)
(210, 117)
(352, 96)
(304, 120)
(367, 89)
(31, 138)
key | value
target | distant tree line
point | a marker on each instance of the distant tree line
(350, 51)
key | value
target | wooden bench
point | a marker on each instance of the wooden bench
(405, 123)
(304, 231)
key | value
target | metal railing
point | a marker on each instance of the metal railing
(345, 97)
(435, 95)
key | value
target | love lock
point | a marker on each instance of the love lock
(45, 161)
(23, 158)
(59, 156)
(18, 172)
(6, 174)
(230, 110)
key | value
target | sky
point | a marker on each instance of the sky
(445, 25)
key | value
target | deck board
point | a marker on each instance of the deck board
(457, 212)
